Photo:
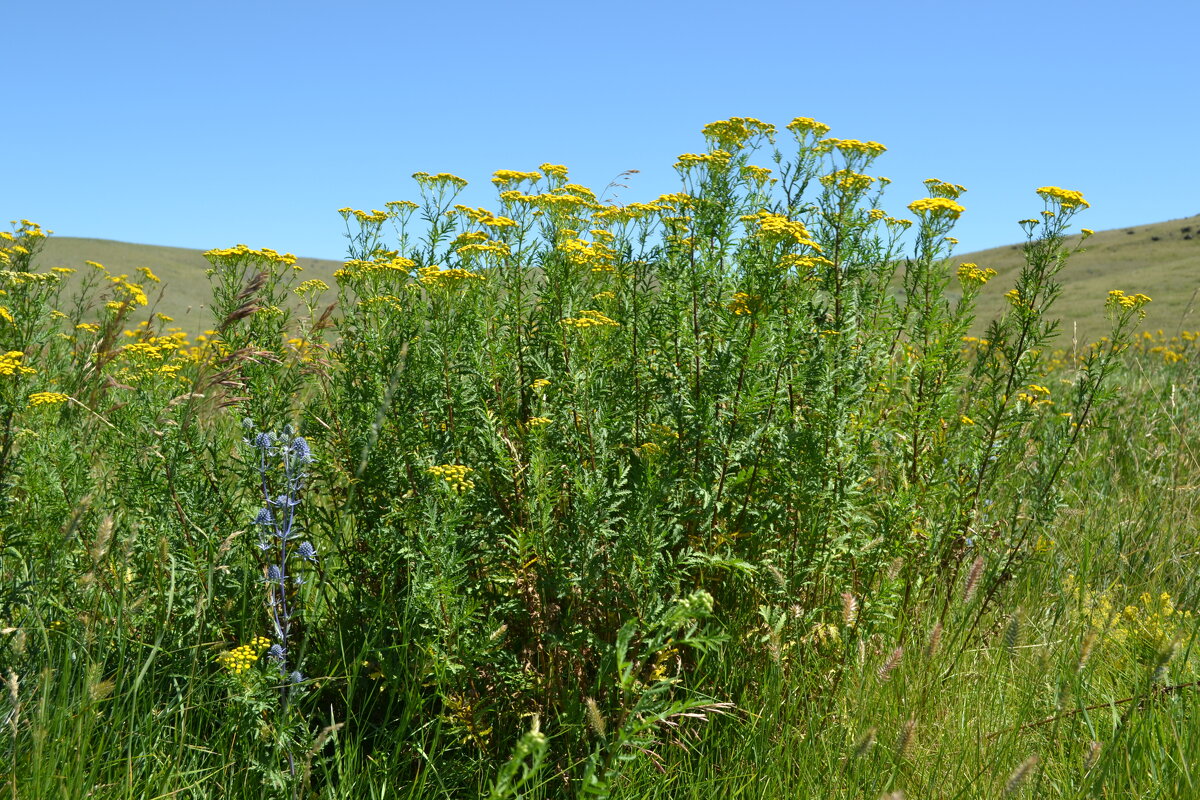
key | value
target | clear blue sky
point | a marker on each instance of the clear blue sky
(205, 124)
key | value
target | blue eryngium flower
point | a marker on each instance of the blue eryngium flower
(306, 552)
(264, 441)
(296, 676)
(273, 573)
(263, 517)
(300, 450)
(276, 652)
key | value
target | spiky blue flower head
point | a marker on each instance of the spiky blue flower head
(264, 441)
(285, 501)
(307, 552)
(301, 451)
(288, 430)
(247, 424)
(263, 517)
(296, 677)
(276, 652)
(273, 573)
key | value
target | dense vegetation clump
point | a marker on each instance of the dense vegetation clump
(711, 494)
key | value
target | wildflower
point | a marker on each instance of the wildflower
(48, 398)
(10, 364)
(1066, 198)
(936, 207)
(455, 475)
(973, 275)
(306, 552)
(301, 451)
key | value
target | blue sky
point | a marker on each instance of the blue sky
(205, 124)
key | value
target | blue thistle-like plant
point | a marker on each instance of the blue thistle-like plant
(278, 528)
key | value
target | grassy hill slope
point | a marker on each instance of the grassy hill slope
(184, 291)
(1161, 260)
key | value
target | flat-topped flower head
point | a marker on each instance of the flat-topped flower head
(939, 188)
(936, 207)
(506, 177)
(807, 126)
(733, 133)
(439, 180)
(1066, 198)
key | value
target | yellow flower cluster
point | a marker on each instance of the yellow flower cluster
(1035, 395)
(364, 217)
(803, 126)
(556, 170)
(1064, 197)
(777, 226)
(313, 285)
(503, 177)
(939, 188)
(240, 659)
(537, 422)
(438, 278)
(848, 180)
(10, 364)
(720, 158)
(742, 304)
(733, 133)
(1154, 621)
(241, 251)
(936, 207)
(48, 398)
(973, 274)
(455, 475)
(756, 174)
(499, 249)
(439, 180)
(852, 147)
(133, 293)
(599, 256)
(590, 319)
(358, 268)
(484, 217)
(1117, 299)
(804, 263)
(539, 384)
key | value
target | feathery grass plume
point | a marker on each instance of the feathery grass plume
(1019, 776)
(864, 743)
(777, 574)
(849, 609)
(908, 735)
(973, 579)
(935, 639)
(1085, 650)
(1012, 632)
(892, 662)
(1092, 755)
(99, 546)
(595, 718)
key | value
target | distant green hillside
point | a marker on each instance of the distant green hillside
(184, 291)
(1161, 260)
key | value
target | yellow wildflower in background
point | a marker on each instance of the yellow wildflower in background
(590, 319)
(973, 274)
(439, 180)
(455, 475)
(48, 398)
(557, 170)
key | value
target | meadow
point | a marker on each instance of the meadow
(740, 492)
